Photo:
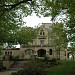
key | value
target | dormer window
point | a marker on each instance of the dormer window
(42, 33)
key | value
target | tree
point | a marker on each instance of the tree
(6, 5)
(12, 12)
(0, 49)
(57, 8)
(11, 16)
(25, 35)
(60, 37)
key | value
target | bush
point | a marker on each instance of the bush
(33, 68)
(16, 58)
(1, 66)
(14, 73)
(53, 62)
(12, 58)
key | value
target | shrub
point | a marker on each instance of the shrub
(53, 62)
(1, 65)
(33, 68)
(16, 58)
(14, 73)
(12, 58)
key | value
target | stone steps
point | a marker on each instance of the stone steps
(18, 65)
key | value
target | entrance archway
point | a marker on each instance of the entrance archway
(41, 53)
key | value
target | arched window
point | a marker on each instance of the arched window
(29, 52)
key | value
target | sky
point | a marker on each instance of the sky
(33, 20)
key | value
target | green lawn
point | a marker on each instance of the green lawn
(66, 68)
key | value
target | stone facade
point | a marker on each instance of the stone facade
(41, 46)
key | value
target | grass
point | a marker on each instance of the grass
(66, 68)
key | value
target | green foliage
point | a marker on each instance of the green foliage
(11, 17)
(25, 35)
(51, 62)
(6, 6)
(12, 13)
(12, 58)
(1, 66)
(60, 40)
(16, 58)
(60, 36)
(63, 7)
(37, 67)
(33, 68)
(66, 68)
(0, 49)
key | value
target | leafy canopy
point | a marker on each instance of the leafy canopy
(12, 12)
(11, 17)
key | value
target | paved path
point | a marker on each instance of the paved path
(7, 72)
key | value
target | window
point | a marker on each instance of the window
(50, 51)
(29, 52)
(5, 53)
(43, 33)
(41, 42)
(10, 53)
(65, 53)
(40, 33)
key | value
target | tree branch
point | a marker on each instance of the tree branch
(11, 6)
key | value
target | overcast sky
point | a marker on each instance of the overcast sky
(33, 20)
